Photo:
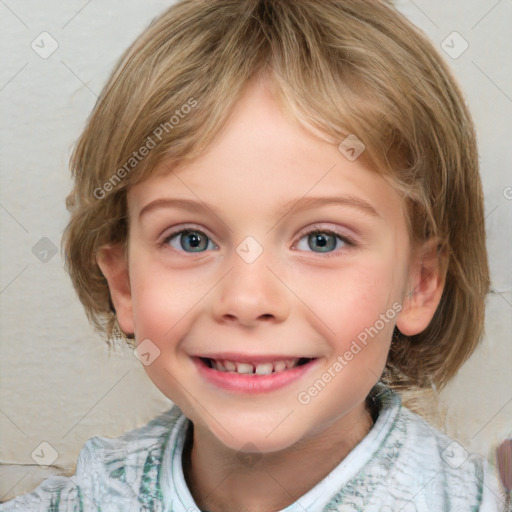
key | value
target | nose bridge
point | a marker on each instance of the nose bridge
(251, 292)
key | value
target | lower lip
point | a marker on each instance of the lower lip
(252, 383)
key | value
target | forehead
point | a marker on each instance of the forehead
(263, 158)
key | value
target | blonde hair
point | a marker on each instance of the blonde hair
(341, 67)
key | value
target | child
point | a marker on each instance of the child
(253, 130)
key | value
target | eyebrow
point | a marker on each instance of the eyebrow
(300, 204)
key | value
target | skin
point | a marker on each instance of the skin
(294, 299)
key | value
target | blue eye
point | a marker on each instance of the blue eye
(186, 239)
(325, 241)
(196, 241)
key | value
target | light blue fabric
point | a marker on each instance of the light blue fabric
(403, 464)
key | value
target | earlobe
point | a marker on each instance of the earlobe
(425, 288)
(113, 263)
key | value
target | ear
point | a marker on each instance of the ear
(426, 279)
(113, 263)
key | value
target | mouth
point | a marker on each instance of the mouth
(255, 368)
(253, 374)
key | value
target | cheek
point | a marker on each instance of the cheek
(164, 300)
(358, 302)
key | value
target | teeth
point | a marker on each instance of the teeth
(221, 366)
(249, 368)
(230, 366)
(244, 368)
(264, 369)
(279, 366)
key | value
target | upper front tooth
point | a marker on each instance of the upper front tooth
(256, 368)
(264, 368)
(244, 368)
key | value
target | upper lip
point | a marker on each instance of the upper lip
(248, 358)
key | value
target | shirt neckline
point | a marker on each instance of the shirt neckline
(177, 497)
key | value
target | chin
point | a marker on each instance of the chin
(249, 437)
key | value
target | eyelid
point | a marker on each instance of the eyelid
(348, 239)
(342, 233)
(179, 228)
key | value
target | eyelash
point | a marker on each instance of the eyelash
(348, 241)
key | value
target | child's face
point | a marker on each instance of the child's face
(212, 294)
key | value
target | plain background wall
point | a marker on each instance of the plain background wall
(58, 383)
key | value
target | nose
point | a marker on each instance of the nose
(251, 294)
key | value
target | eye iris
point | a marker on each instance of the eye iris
(325, 241)
(194, 239)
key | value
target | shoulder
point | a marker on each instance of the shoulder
(406, 464)
(122, 457)
(441, 464)
(111, 473)
(130, 464)
(434, 471)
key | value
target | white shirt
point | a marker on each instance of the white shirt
(403, 464)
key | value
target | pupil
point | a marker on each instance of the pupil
(193, 240)
(322, 241)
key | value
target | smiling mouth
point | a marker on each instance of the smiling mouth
(246, 368)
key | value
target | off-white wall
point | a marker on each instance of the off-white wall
(58, 384)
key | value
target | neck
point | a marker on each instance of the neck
(223, 480)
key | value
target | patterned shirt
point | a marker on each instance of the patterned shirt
(403, 464)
